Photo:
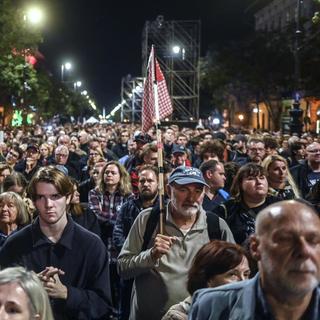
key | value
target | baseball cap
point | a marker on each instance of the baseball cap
(240, 137)
(185, 175)
(142, 137)
(33, 146)
(176, 148)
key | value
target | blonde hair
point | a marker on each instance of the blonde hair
(39, 304)
(266, 163)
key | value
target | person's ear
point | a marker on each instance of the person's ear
(36, 317)
(254, 247)
(208, 174)
(68, 198)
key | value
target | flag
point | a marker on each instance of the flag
(156, 103)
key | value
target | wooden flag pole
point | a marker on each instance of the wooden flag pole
(160, 147)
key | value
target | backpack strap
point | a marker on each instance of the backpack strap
(213, 226)
(151, 226)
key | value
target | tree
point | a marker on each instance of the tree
(259, 68)
(18, 40)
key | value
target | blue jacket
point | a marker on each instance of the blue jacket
(235, 301)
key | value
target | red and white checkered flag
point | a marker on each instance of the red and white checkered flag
(156, 104)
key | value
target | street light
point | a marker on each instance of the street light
(65, 66)
(77, 85)
(34, 15)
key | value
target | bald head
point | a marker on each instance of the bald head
(281, 212)
(287, 247)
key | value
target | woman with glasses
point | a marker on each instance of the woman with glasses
(281, 183)
(94, 156)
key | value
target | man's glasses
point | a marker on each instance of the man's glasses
(14, 154)
(314, 151)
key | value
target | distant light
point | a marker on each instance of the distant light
(78, 84)
(34, 15)
(166, 119)
(255, 110)
(191, 118)
(241, 117)
(68, 65)
(216, 121)
(84, 92)
(176, 49)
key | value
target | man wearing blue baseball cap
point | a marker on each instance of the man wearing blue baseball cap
(159, 263)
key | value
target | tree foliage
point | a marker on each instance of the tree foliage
(261, 68)
(30, 85)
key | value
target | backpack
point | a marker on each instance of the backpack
(213, 225)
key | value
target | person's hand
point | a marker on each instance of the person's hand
(52, 283)
(162, 245)
(30, 164)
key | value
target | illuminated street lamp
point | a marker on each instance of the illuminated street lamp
(179, 52)
(77, 85)
(34, 15)
(65, 66)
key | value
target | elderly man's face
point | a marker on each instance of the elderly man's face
(290, 253)
(61, 156)
(186, 199)
(313, 153)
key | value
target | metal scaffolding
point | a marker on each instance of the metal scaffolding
(177, 45)
(131, 98)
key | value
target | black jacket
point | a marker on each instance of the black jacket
(240, 218)
(80, 254)
(300, 176)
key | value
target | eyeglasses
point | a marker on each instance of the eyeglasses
(14, 154)
(314, 151)
(93, 154)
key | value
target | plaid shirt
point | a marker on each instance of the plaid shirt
(105, 206)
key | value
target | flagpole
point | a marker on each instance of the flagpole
(156, 105)
(159, 147)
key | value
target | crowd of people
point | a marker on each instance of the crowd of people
(80, 211)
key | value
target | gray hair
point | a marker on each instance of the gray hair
(39, 304)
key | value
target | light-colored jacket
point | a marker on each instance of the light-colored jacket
(179, 311)
(161, 284)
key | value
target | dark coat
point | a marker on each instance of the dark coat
(300, 176)
(241, 219)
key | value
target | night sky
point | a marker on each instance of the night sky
(103, 38)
